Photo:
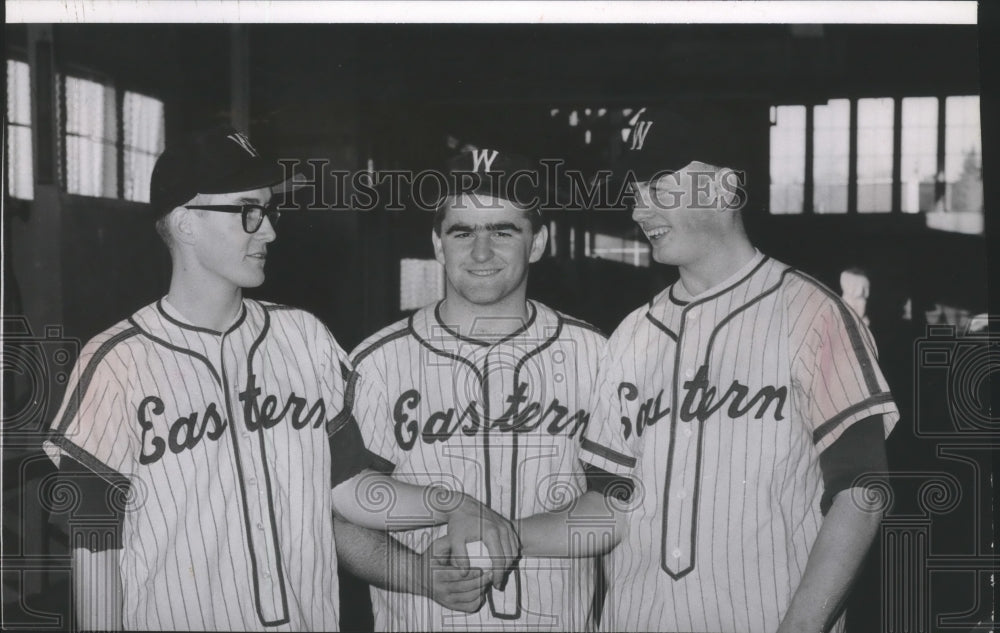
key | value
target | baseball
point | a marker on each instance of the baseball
(479, 555)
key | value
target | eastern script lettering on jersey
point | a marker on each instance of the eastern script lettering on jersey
(501, 420)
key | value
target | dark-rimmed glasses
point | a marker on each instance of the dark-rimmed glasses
(253, 214)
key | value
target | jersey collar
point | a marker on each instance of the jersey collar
(679, 295)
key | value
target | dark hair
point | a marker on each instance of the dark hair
(533, 214)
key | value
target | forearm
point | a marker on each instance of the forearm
(588, 527)
(379, 502)
(378, 559)
(97, 590)
(840, 548)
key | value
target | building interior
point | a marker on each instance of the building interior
(868, 154)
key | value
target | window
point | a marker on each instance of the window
(875, 137)
(617, 249)
(963, 155)
(110, 144)
(831, 159)
(788, 156)
(938, 160)
(421, 282)
(19, 159)
(144, 137)
(918, 163)
(91, 138)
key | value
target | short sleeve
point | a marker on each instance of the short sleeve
(92, 423)
(609, 442)
(838, 380)
(90, 443)
(370, 404)
(334, 372)
(348, 453)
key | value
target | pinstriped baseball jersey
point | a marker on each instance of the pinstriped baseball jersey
(719, 406)
(225, 438)
(501, 421)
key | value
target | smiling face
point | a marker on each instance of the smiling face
(485, 251)
(222, 250)
(680, 214)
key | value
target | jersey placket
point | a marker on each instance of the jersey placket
(255, 490)
(680, 488)
(498, 375)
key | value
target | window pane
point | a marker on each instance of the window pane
(143, 128)
(963, 155)
(831, 130)
(618, 249)
(788, 158)
(18, 93)
(918, 159)
(875, 137)
(421, 282)
(91, 139)
(20, 168)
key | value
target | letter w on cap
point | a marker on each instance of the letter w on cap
(240, 139)
(483, 156)
(639, 133)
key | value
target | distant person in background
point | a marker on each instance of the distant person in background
(854, 289)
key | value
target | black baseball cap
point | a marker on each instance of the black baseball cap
(217, 160)
(666, 139)
(495, 173)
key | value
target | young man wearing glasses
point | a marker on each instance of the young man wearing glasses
(211, 432)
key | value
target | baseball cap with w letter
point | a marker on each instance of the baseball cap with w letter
(493, 173)
(217, 160)
(663, 140)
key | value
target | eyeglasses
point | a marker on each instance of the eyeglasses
(253, 214)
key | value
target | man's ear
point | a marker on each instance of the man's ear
(538, 242)
(438, 250)
(181, 222)
(729, 187)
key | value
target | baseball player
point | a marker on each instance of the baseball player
(745, 405)
(211, 429)
(485, 392)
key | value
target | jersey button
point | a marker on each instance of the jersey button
(260, 526)
(677, 553)
(252, 482)
(689, 373)
(682, 494)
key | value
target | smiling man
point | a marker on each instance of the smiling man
(744, 401)
(212, 431)
(485, 392)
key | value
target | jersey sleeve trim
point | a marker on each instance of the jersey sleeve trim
(360, 354)
(86, 459)
(861, 351)
(181, 350)
(582, 324)
(662, 327)
(737, 311)
(879, 403)
(607, 454)
(88, 376)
